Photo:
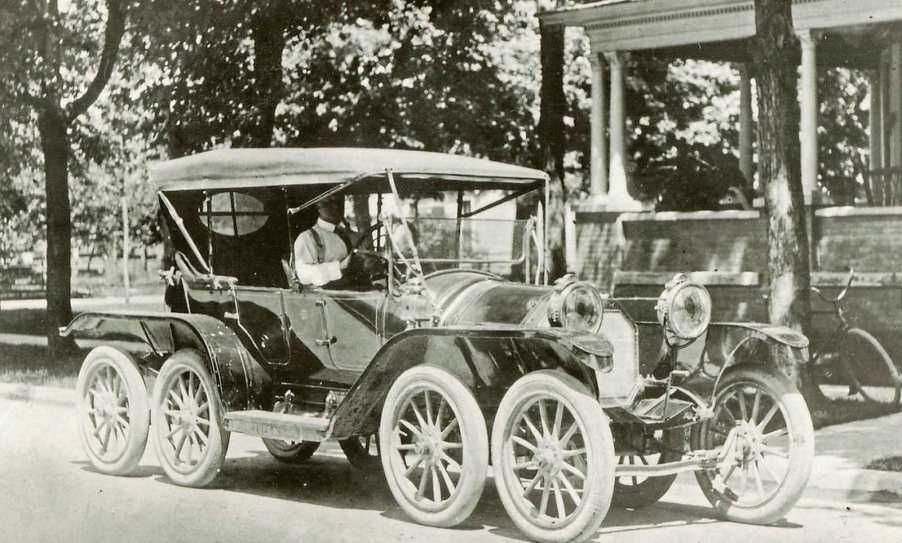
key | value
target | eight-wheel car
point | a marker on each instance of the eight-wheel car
(440, 351)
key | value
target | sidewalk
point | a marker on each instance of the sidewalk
(842, 451)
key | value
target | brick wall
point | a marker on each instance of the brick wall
(870, 239)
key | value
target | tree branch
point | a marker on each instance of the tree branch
(39, 103)
(115, 28)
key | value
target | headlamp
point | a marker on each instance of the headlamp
(684, 309)
(578, 306)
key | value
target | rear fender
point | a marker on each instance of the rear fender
(150, 337)
(486, 361)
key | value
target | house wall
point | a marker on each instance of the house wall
(635, 253)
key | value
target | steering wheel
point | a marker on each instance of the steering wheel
(367, 237)
(367, 262)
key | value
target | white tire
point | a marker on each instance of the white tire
(112, 410)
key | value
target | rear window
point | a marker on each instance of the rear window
(232, 213)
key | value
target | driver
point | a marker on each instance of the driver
(322, 253)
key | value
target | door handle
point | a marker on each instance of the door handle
(328, 339)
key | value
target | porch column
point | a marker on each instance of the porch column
(745, 124)
(875, 123)
(808, 121)
(598, 167)
(618, 195)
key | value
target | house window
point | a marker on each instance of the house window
(232, 213)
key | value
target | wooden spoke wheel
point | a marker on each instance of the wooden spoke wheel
(636, 492)
(434, 446)
(113, 413)
(290, 452)
(553, 458)
(187, 421)
(763, 422)
(362, 451)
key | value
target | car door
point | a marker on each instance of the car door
(340, 327)
(259, 316)
(351, 317)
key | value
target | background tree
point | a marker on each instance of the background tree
(44, 56)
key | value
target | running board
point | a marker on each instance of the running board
(277, 425)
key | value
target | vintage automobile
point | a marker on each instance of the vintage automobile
(444, 342)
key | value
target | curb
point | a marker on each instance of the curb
(849, 481)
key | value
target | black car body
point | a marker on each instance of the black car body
(449, 342)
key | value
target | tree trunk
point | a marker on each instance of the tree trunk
(269, 43)
(55, 146)
(776, 57)
(550, 152)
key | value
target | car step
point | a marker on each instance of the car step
(277, 425)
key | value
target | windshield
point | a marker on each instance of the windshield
(493, 245)
(465, 229)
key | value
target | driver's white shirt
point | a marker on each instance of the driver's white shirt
(310, 267)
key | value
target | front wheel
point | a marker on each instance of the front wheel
(553, 458)
(434, 445)
(762, 426)
(189, 436)
(869, 368)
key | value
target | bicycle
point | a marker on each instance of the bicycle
(861, 361)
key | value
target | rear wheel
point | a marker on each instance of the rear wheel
(635, 492)
(870, 369)
(113, 413)
(189, 436)
(553, 458)
(764, 424)
(434, 446)
(290, 452)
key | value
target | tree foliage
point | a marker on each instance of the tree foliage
(460, 77)
(47, 51)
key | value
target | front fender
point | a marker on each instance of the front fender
(487, 361)
(150, 337)
(728, 344)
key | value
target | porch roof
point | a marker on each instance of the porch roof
(850, 30)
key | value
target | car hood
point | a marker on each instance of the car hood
(475, 298)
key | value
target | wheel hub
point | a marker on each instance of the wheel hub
(749, 443)
(107, 407)
(429, 445)
(547, 457)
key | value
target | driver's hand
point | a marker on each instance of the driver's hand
(373, 264)
(345, 262)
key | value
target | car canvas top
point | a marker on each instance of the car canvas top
(236, 168)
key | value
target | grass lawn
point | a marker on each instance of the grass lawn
(23, 321)
(890, 463)
(838, 411)
(28, 364)
(32, 321)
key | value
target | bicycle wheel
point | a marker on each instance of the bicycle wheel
(870, 370)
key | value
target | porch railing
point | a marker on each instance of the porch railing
(883, 186)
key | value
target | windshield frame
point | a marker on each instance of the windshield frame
(531, 233)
